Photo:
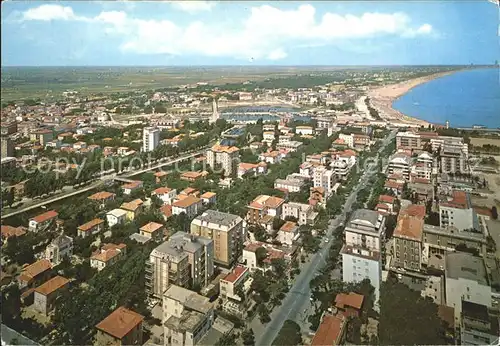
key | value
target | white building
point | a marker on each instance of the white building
(458, 212)
(304, 213)
(189, 205)
(268, 137)
(304, 130)
(187, 316)
(167, 195)
(150, 138)
(226, 156)
(288, 233)
(324, 178)
(466, 279)
(348, 139)
(400, 163)
(60, 247)
(361, 254)
(290, 185)
(116, 217)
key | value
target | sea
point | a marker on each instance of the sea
(465, 98)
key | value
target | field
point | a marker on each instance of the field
(478, 142)
(47, 83)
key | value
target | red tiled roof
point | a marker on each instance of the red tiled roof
(479, 210)
(166, 210)
(87, 226)
(151, 227)
(329, 331)
(99, 196)
(9, 231)
(48, 215)
(235, 274)
(413, 210)
(52, 285)
(288, 226)
(410, 227)
(162, 190)
(386, 199)
(120, 322)
(36, 268)
(352, 299)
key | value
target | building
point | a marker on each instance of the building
(9, 231)
(225, 156)
(189, 205)
(108, 255)
(457, 211)
(226, 230)
(264, 205)
(8, 128)
(131, 187)
(7, 146)
(42, 221)
(121, 327)
(362, 253)
(116, 217)
(466, 280)
(303, 213)
(133, 209)
(150, 139)
(46, 294)
(60, 247)
(90, 228)
(331, 331)
(237, 280)
(268, 137)
(184, 260)
(102, 198)
(400, 163)
(349, 304)
(407, 243)
(304, 130)
(439, 240)
(290, 185)
(408, 141)
(423, 168)
(324, 178)
(42, 136)
(287, 233)
(167, 195)
(250, 256)
(34, 273)
(251, 169)
(209, 198)
(271, 157)
(152, 230)
(187, 316)
(478, 326)
(347, 139)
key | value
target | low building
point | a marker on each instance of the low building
(245, 169)
(289, 185)
(251, 261)
(458, 212)
(60, 247)
(167, 195)
(9, 231)
(466, 280)
(304, 130)
(108, 255)
(192, 176)
(90, 228)
(303, 213)
(34, 273)
(331, 331)
(152, 230)
(102, 198)
(189, 205)
(131, 187)
(46, 294)
(187, 316)
(288, 233)
(42, 221)
(349, 304)
(238, 280)
(439, 240)
(263, 205)
(116, 217)
(121, 327)
(209, 198)
(133, 209)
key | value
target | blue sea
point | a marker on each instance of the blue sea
(465, 98)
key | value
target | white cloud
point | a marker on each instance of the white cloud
(265, 34)
(49, 12)
(193, 6)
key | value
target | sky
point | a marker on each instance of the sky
(180, 33)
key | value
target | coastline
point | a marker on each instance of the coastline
(382, 98)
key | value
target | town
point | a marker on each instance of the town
(280, 212)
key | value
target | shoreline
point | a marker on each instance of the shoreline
(382, 99)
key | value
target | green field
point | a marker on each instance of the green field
(48, 83)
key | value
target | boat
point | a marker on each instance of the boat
(478, 126)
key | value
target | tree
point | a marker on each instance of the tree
(248, 337)
(260, 255)
(7, 197)
(494, 213)
(288, 335)
(408, 320)
(263, 313)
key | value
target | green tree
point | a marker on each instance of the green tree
(248, 337)
(289, 335)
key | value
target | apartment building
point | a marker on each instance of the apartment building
(167, 195)
(423, 168)
(347, 139)
(440, 240)
(121, 327)
(251, 169)
(238, 279)
(60, 247)
(478, 326)
(466, 280)
(116, 217)
(90, 228)
(325, 178)
(407, 243)
(187, 316)
(264, 205)
(457, 211)
(290, 185)
(400, 163)
(287, 233)
(226, 231)
(7, 147)
(46, 294)
(304, 130)
(453, 159)
(42, 221)
(108, 255)
(408, 141)
(362, 252)
(268, 137)
(189, 205)
(150, 139)
(303, 213)
(183, 260)
(226, 156)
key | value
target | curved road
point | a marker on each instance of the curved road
(298, 297)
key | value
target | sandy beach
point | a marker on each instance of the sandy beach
(382, 99)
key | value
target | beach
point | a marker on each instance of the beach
(382, 98)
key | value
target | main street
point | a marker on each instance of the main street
(297, 300)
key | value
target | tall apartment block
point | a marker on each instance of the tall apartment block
(226, 156)
(150, 138)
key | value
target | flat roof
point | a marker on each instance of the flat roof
(218, 217)
(461, 265)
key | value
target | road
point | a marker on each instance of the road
(297, 300)
(69, 191)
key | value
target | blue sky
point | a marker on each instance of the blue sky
(107, 33)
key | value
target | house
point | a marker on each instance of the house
(304, 130)
(102, 198)
(108, 255)
(237, 279)
(46, 294)
(303, 213)
(385, 204)
(60, 247)
(33, 273)
(166, 211)
(132, 186)
(160, 176)
(42, 221)
(192, 176)
(271, 157)
(116, 217)
(9, 231)
(251, 169)
(317, 196)
(190, 191)
(250, 256)
(209, 198)
(152, 231)
(121, 327)
(264, 205)
(89, 228)
(167, 195)
(331, 331)
(287, 233)
(189, 205)
(289, 185)
(133, 209)
(187, 316)
(349, 304)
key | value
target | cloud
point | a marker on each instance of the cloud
(49, 12)
(266, 33)
(193, 6)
